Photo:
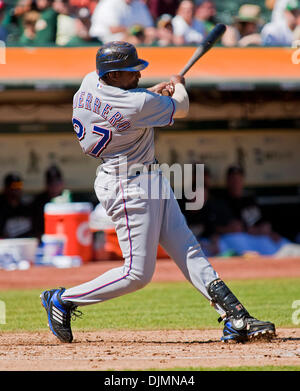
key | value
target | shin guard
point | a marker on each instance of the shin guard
(222, 295)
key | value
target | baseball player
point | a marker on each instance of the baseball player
(114, 120)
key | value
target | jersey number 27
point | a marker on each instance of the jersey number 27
(105, 137)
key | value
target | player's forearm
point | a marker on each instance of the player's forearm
(181, 100)
(118, 29)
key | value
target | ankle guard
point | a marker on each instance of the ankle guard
(222, 295)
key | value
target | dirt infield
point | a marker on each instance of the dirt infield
(137, 350)
(122, 350)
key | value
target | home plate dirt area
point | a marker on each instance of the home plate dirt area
(138, 350)
(142, 350)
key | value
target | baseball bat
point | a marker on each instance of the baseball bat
(214, 35)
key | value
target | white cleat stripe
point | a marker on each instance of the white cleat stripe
(56, 316)
(57, 312)
(57, 319)
(57, 309)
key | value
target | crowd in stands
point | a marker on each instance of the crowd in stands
(144, 22)
(22, 215)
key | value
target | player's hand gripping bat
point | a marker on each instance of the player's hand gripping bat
(214, 35)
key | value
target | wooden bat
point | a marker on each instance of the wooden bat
(214, 35)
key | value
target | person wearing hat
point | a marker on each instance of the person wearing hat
(281, 32)
(245, 30)
(241, 223)
(15, 213)
(240, 211)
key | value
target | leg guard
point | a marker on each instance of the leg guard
(239, 326)
(222, 295)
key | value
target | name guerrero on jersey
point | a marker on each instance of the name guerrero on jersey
(111, 123)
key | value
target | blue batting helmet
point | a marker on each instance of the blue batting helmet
(118, 56)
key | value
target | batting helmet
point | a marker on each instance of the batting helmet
(118, 56)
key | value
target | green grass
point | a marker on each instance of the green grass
(159, 306)
(265, 368)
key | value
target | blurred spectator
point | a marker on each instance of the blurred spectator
(187, 29)
(240, 224)
(22, 6)
(47, 23)
(199, 220)
(54, 190)
(159, 7)
(203, 222)
(136, 35)
(15, 213)
(29, 32)
(270, 4)
(165, 30)
(13, 19)
(89, 4)
(114, 19)
(242, 213)
(206, 13)
(296, 33)
(3, 30)
(82, 27)
(281, 31)
(33, 30)
(278, 8)
(246, 28)
(65, 22)
(233, 224)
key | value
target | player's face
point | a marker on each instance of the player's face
(128, 80)
(235, 184)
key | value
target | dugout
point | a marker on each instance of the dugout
(244, 109)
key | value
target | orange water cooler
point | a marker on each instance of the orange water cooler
(72, 221)
(112, 248)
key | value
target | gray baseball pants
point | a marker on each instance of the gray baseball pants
(145, 213)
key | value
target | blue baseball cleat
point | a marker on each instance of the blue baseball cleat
(59, 313)
(247, 329)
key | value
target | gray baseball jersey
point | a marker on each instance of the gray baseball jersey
(112, 123)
